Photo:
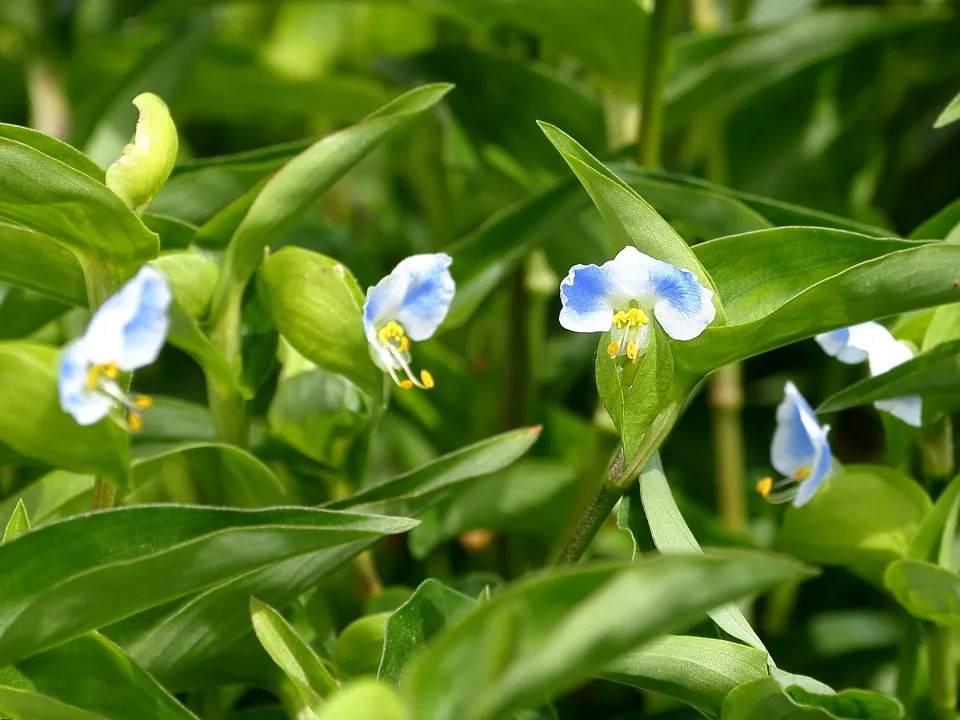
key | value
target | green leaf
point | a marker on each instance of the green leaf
(169, 646)
(786, 284)
(90, 570)
(867, 513)
(317, 306)
(174, 234)
(88, 678)
(35, 262)
(413, 625)
(369, 699)
(24, 312)
(192, 277)
(50, 495)
(629, 217)
(68, 206)
(33, 423)
(926, 591)
(697, 671)
(950, 114)
(671, 535)
(56, 149)
(766, 700)
(945, 225)
(558, 628)
(297, 185)
(360, 646)
(18, 523)
(146, 162)
(934, 540)
(933, 375)
(760, 61)
(288, 650)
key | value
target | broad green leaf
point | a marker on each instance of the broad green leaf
(813, 280)
(171, 647)
(24, 312)
(192, 277)
(671, 535)
(934, 540)
(33, 261)
(359, 647)
(935, 374)
(694, 670)
(289, 192)
(369, 699)
(317, 306)
(68, 206)
(558, 628)
(222, 474)
(56, 149)
(145, 162)
(174, 234)
(926, 591)
(88, 678)
(950, 114)
(90, 570)
(944, 326)
(288, 650)
(50, 495)
(766, 700)
(33, 423)
(413, 625)
(627, 215)
(18, 523)
(945, 225)
(757, 62)
(867, 513)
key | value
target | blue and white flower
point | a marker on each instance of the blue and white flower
(125, 333)
(800, 452)
(407, 306)
(621, 295)
(872, 342)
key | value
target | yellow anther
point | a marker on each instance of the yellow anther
(620, 319)
(764, 486)
(802, 474)
(427, 379)
(93, 376)
(636, 317)
(111, 370)
(632, 350)
(404, 344)
(393, 333)
(142, 401)
(406, 384)
(612, 349)
(135, 422)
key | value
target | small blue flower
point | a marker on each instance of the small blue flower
(872, 342)
(407, 305)
(125, 333)
(625, 292)
(800, 451)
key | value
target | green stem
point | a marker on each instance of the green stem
(936, 451)
(49, 105)
(907, 664)
(654, 78)
(228, 408)
(726, 402)
(943, 672)
(104, 493)
(620, 477)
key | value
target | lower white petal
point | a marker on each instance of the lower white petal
(908, 409)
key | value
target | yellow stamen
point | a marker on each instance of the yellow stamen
(406, 384)
(612, 349)
(632, 350)
(93, 376)
(637, 317)
(393, 333)
(427, 379)
(142, 401)
(111, 370)
(764, 486)
(135, 422)
(404, 344)
(802, 474)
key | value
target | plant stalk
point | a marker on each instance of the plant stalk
(907, 664)
(651, 90)
(936, 451)
(726, 403)
(49, 105)
(228, 408)
(943, 672)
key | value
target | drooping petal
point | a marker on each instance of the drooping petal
(76, 398)
(798, 438)
(884, 358)
(587, 300)
(131, 326)
(857, 343)
(909, 409)
(682, 306)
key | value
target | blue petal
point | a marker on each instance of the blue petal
(798, 436)
(857, 343)
(586, 295)
(76, 398)
(429, 292)
(820, 472)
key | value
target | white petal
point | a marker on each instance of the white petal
(585, 295)
(86, 406)
(888, 356)
(799, 438)
(908, 409)
(857, 343)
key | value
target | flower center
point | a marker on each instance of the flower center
(102, 380)
(395, 341)
(629, 322)
(786, 489)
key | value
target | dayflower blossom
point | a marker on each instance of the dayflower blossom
(407, 306)
(621, 295)
(800, 452)
(125, 333)
(872, 342)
